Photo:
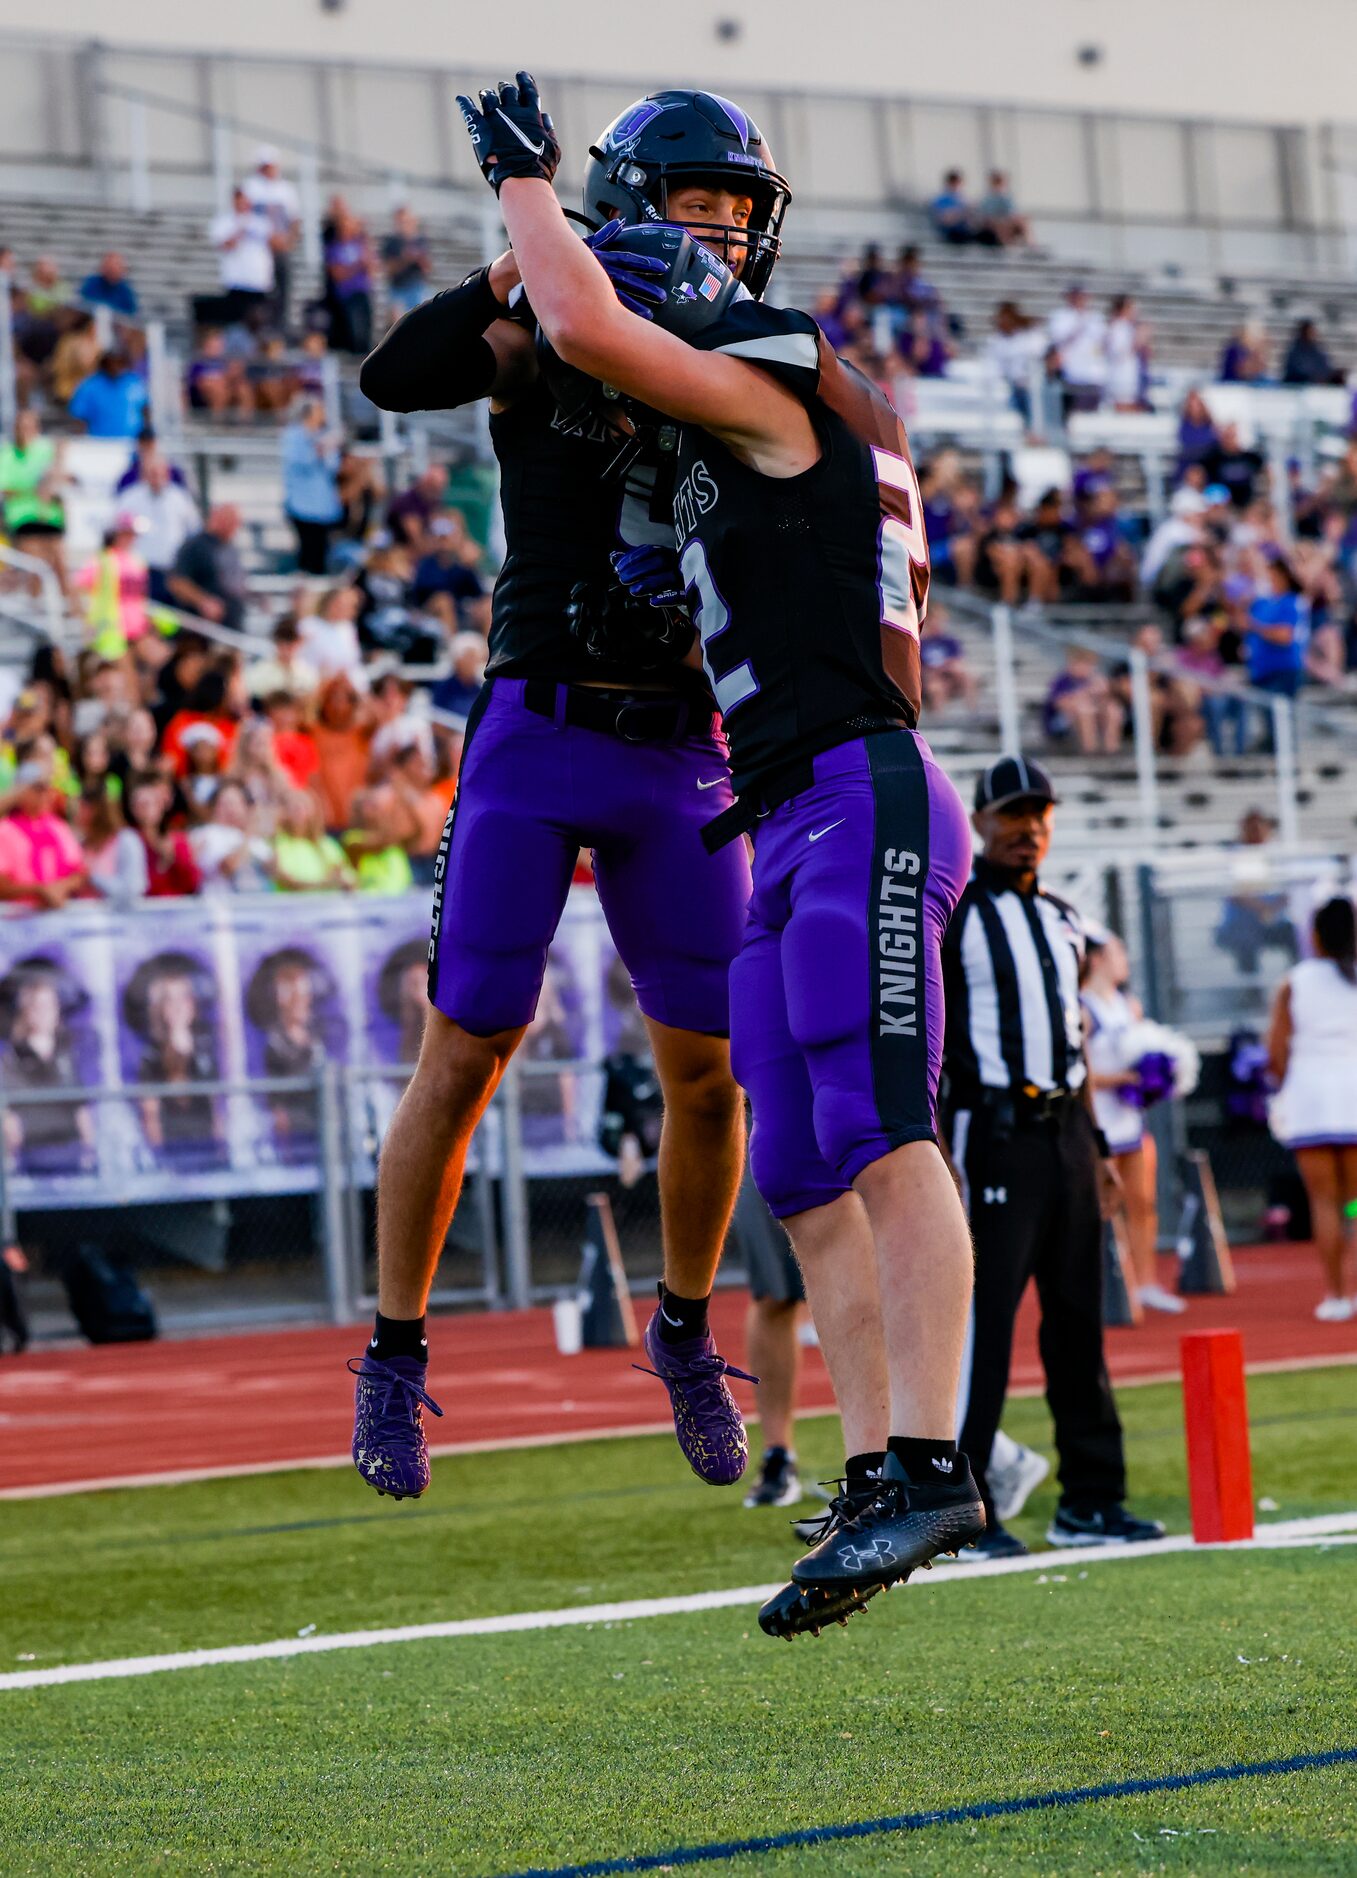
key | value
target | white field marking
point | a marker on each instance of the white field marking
(240, 1470)
(1328, 1528)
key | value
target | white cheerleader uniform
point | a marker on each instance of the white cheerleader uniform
(1316, 1105)
(1109, 1017)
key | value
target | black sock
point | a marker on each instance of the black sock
(927, 1463)
(681, 1318)
(399, 1336)
(861, 1470)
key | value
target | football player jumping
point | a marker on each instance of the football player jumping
(803, 559)
(590, 732)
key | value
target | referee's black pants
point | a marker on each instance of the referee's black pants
(1032, 1194)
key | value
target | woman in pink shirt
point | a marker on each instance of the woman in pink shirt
(41, 861)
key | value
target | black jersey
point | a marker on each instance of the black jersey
(807, 591)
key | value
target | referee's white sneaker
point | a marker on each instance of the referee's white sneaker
(1100, 1525)
(1156, 1298)
(1336, 1310)
(1014, 1474)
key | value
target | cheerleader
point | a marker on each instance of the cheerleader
(1312, 1050)
(1119, 1105)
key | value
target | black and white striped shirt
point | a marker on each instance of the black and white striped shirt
(1011, 975)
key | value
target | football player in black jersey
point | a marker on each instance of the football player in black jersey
(597, 737)
(802, 552)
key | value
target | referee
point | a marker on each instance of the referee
(1033, 1167)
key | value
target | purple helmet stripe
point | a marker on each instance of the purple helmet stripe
(736, 116)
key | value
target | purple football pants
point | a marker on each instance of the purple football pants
(531, 794)
(836, 997)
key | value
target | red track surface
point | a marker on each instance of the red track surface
(242, 1402)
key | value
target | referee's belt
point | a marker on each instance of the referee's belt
(1027, 1106)
(634, 716)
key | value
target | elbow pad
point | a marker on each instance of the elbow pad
(437, 356)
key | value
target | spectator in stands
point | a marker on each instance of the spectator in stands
(329, 636)
(1005, 565)
(41, 863)
(1175, 713)
(1278, 632)
(1078, 334)
(1180, 528)
(375, 846)
(873, 278)
(410, 515)
(1307, 362)
(1232, 466)
(450, 568)
(115, 855)
(406, 263)
(1254, 921)
(1128, 356)
(310, 460)
(208, 706)
(1099, 558)
(909, 288)
(953, 218)
(289, 670)
(428, 798)
(305, 858)
(1082, 705)
(146, 451)
(32, 477)
(242, 236)
(343, 732)
(230, 857)
(839, 321)
(109, 286)
(458, 691)
(47, 293)
(1210, 650)
(111, 402)
(76, 357)
(116, 582)
(949, 518)
(1012, 349)
(294, 747)
(208, 577)
(1051, 538)
(170, 867)
(167, 515)
(348, 274)
(268, 191)
(217, 380)
(1197, 435)
(1245, 358)
(947, 679)
(999, 214)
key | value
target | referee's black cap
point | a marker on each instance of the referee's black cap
(1013, 779)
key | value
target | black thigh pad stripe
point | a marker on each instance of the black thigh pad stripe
(440, 866)
(898, 1022)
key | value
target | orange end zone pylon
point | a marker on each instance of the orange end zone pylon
(1216, 1411)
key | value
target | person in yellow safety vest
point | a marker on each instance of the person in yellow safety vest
(117, 581)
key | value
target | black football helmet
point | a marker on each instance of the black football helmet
(677, 137)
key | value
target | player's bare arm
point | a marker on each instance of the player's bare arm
(577, 308)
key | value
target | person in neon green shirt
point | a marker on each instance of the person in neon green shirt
(31, 475)
(377, 845)
(305, 858)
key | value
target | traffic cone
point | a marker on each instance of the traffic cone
(1121, 1303)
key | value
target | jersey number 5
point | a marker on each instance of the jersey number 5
(711, 616)
(903, 543)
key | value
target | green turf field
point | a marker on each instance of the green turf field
(493, 1754)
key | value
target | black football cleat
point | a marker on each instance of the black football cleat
(795, 1611)
(902, 1527)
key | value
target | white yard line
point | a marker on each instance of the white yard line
(190, 1476)
(1332, 1528)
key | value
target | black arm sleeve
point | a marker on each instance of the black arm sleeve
(437, 356)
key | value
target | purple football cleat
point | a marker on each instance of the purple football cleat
(708, 1423)
(389, 1448)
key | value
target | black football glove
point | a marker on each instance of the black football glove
(511, 133)
(610, 624)
(633, 275)
(652, 574)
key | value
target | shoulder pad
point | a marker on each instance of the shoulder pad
(782, 340)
